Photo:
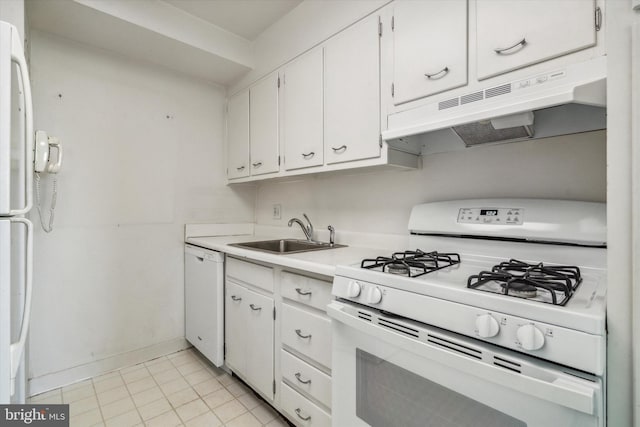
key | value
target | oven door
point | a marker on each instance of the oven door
(394, 372)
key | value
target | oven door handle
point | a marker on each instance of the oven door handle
(575, 394)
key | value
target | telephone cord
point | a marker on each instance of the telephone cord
(54, 197)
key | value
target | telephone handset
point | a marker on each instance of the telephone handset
(43, 163)
(42, 158)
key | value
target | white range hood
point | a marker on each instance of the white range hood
(565, 100)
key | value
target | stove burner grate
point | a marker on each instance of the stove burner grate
(412, 263)
(523, 280)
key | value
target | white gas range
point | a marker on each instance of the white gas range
(499, 306)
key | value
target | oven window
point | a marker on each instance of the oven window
(388, 395)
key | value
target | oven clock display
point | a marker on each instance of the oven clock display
(489, 212)
(491, 216)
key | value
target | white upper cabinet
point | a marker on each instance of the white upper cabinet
(429, 47)
(263, 126)
(238, 136)
(515, 33)
(301, 125)
(352, 93)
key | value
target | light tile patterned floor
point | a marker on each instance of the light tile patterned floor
(181, 389)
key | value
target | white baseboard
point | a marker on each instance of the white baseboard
(78, 373)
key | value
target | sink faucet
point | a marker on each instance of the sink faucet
(307, 229)
(332, 235)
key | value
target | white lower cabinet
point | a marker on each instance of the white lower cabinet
(249, 340)
(307, 333)
(301, 411)
(278, 337)
(259, 334)
(304, 377)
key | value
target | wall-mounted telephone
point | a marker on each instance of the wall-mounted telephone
(43, 162)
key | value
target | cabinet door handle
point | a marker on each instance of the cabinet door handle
(241, 168)
(299, 414)
(303, 293)
(257, 164)
(504, 50)
(440, 74)
(255, 308)
(298, 376)
(299, 333)
(340, 149)
(308, 155)
(235, 298)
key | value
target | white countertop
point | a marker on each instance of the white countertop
(320, 262)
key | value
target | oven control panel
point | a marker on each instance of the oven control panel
(543, 340)
(491, 215)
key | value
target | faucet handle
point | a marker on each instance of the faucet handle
(332, 235)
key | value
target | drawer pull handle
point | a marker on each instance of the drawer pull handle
(440, 73)
(340, 149)
(504, 51)
(303, 293)
(257, 164)
(299, 378)
(308, 155)
(255, 308)
(235, 298)
(299, 414)
(299, 333)
(241, 168)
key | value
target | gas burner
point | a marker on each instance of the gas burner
(401, 269)
(550, 284)
(412, 263)
(520, 289)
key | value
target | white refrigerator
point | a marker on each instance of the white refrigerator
(16, 235)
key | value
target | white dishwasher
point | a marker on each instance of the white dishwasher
(204, 301)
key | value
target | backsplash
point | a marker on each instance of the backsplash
(570, 167)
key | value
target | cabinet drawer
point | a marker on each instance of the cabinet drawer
(306, 290)
(301, 411)
(307, 333)
(248, 272)
(305, 377)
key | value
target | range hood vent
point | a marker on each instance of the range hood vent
(563, 101)
(503, 129)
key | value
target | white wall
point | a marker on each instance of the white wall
(12, 11)
(569, 167)
(622, 214)
(143, 156)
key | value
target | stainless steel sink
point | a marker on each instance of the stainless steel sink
(285, 246)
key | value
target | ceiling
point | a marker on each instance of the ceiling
(208, 39)
(245, 18)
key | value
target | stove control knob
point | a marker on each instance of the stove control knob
(375, 296)
(487, 326)
(353, 289)
(530, 337)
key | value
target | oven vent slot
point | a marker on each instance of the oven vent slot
(399, 328)
(454, 346)
(364, 316)
(497, 91)
(507, 364)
